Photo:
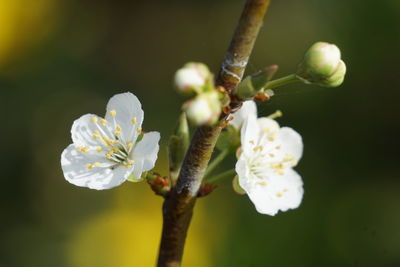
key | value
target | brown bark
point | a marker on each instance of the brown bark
(178, 206)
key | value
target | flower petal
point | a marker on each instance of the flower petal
(126, 110)
(268, 125)
(84, 129)
(74, 166)
(248, 108)
(147, 149)
(249, 134)
(243, 172)
(137, 170)
(291, 141)
(280, 193)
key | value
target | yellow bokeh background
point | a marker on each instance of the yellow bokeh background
(24, 24)
(60, 59)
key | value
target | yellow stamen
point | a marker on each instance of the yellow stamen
(129, 145)
(139, 129)
(108, 155)
(98, 148)
(83, 149)
(257, 148)
(118, 128)
(88, 166)
(103, 122)
(113, 113)
(279, 194)
(129, 163)
(134, 120)
(117, 132)
(93, 119)
(96, 164)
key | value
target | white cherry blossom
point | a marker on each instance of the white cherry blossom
(265, 166)
(106, 151)
(248, 108)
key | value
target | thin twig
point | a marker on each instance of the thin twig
(178, 206)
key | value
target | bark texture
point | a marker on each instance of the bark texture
(178, 205)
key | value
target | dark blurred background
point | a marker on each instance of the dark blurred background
(60, 59)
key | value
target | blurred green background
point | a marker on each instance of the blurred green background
(60, 59)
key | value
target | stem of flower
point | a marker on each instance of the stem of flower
(178, 205)
(226, 174)
(281, 81)
(221, 156)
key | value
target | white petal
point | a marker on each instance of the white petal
(128, 114)
(281, 192)
(243, 172)
(248, 108)
(268, 125)
(137, 169)
(249, 134)
(291, 141)
(83, 129)
(73, 164)
(147, 149)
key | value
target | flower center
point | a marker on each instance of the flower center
(112, 144)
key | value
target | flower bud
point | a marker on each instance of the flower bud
(192, 78)
(203, 109)
(338, 76)
(320, 63)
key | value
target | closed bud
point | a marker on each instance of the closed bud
(192, 78)
(322, 65)
(337, 77)
(204, 109)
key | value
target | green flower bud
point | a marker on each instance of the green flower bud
(204, 109)
(192, 78)
(337, 77)
(320, 63)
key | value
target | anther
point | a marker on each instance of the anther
(129, 145)
(93, 119)
(134, 120)
(103, 122)
(96, 164)
(113, 113)
(88, 166)
(139, 129)
(83, 149)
